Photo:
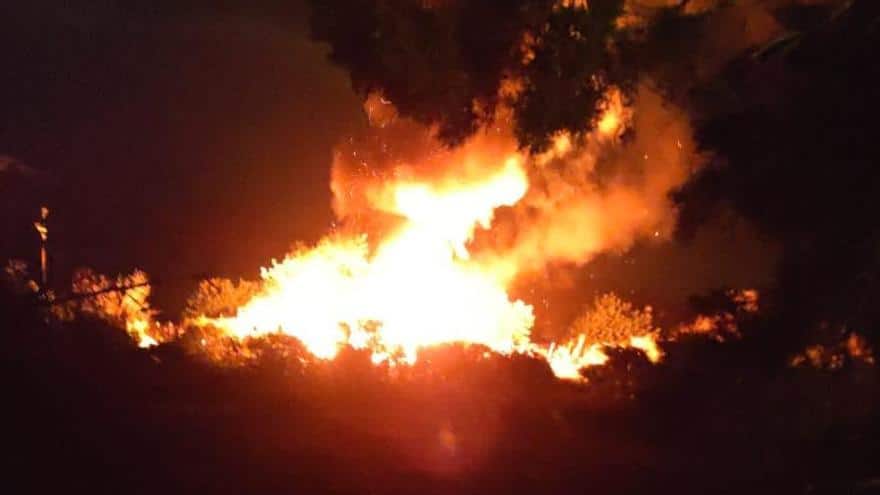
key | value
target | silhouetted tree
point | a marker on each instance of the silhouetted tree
(444, 63)
(797, 154)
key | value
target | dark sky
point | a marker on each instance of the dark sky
(178, 139)
(186, 138)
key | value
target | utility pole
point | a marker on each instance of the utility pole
(43, 230)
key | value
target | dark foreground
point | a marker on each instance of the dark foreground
(89, 413)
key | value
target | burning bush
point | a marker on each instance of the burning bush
(851, 348)
(123, 303)
(721, 314)
(218, 297)
(610, 320)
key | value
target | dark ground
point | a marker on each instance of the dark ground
(90, 413)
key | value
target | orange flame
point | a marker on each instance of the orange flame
(418, 288)
(424, 284)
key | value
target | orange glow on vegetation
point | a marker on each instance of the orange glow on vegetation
(123, 302)
(614, 115)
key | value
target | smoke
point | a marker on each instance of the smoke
(367, 166)
(605, 191)
(591, 192)
(588, 194)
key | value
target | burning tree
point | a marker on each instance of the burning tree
(123, 303)
(216, 297)
(611, 320)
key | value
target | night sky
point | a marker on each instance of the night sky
(189, 140)
(180, 143)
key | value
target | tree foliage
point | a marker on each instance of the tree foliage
(797, 155)
(448, 63)
(216, 297)
(612, 320)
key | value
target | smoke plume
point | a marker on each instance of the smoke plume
(588, 194)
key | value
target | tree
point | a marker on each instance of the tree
(452, 63)
(797, 155)
(612, 321)
(216, 297)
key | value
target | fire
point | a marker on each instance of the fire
(122, 302)
(423, 281)
(137, 327)
(648, 345)
(566, 361)
(407, 270)
(611, 121)
(418, 288)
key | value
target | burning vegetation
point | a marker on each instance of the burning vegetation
(440, 216)
(430, 240)
(506, 146)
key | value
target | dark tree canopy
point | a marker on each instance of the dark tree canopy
(444, 63)
(797, 154)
